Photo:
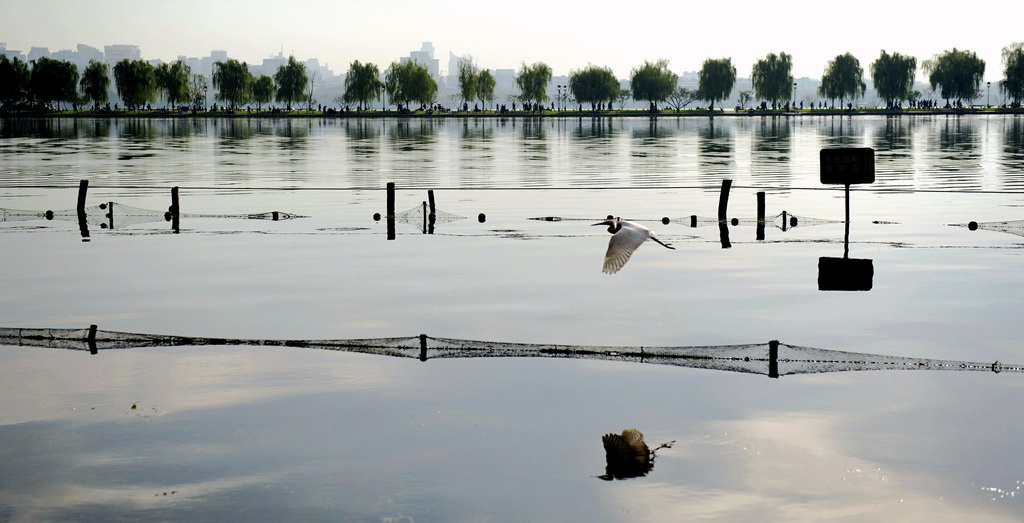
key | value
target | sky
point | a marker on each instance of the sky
(565, 35)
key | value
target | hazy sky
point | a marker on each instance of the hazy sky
(566, 35)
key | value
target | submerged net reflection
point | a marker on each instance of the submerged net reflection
(773, 359)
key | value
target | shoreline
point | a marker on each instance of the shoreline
(692, 113)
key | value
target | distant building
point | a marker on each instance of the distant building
(117, 52)
(11, 53)
(425, 57)
(38, 52)
(269, 65)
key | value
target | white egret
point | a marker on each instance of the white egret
(626, 237)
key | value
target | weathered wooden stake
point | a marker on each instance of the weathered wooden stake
(83, 220)
(430, 198)
(785, 221)
(83, 189)
(773, 359)
(693, 220)
(425, 216)
(760, 215)
(110, 214)
(432, 216)
(391, 210)
(175, 211)
(723, 200)
(91, 340)
(423, 347)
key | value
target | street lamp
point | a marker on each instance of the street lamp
(988, 101)
(794, 96)
(383, 107)
(206, 102)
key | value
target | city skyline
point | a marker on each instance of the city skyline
(566, 37)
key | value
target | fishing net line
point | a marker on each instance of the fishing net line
(1015, 227)
(754, 358)
(416, 215)
(116, 215)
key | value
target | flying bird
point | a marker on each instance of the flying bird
(626, 237)
(626, 455)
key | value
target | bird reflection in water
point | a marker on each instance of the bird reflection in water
(627, 455)
(626, 237)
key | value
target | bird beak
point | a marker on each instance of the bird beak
(606, 222)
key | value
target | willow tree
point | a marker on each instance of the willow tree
(843, 79)
(135, 82)
(53, 81)
(957, 73)
(14, 77)
(485, 87)
(408, 82)
(773, 78)
(593, 85)
(716, 79)
(95, 83)
(1013, 72)
(652, 82)
(291, 80)
(233, 82)
(263, 90)
(172, 80)
(469, 79)
(362, 84)
(893, 77)
(533, 82)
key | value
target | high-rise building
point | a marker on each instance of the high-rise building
(425, 57)
(117, 52)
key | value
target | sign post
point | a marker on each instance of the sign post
(846, 167)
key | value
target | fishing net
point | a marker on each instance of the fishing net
(1015, 227)
(757, 358)
(419, 217)
(114, 215)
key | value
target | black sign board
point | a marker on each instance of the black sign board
(847, 166)
(845, 274)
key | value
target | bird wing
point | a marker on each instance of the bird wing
(621, 247)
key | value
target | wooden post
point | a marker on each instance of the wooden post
(723, 200)
(723, 207)
(784, 221)
(391, 210)
(175, 211)
(423, 347)
(432, 217)
(91, 340)
(846, 239)
(83, 189)
(760, 215)
(773, 359)
(693, 220)
(110, 214)
(83, 220)
(424, 217)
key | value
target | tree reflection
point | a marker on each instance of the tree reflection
(1012, 160)
(715, 152)
(771, 149)
(407, 134)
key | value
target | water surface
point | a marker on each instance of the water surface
(291, 433)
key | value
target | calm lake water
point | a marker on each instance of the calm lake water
(287, 433)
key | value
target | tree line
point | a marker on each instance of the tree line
(954, 75)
